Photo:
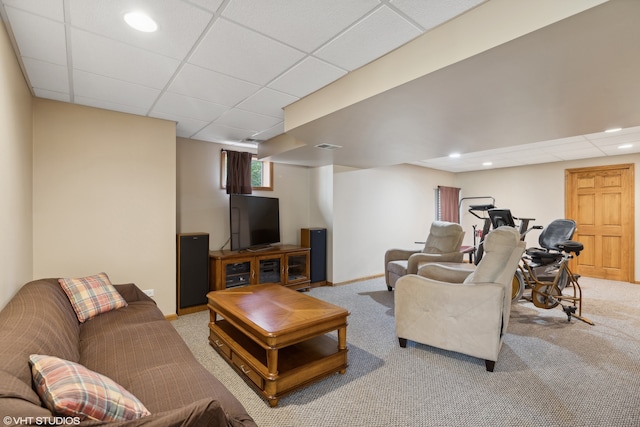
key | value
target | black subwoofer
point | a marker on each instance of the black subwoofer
(316, 239)
(193, 272)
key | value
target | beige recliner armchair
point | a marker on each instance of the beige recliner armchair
(442, 245)
(469, 317)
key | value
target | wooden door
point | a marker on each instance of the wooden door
(601, 201)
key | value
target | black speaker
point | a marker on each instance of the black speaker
(316, 239)
(193, 272)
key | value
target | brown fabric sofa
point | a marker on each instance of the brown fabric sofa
(135, 346)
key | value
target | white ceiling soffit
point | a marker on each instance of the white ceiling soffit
(543, 97)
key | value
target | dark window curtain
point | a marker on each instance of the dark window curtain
(449, 197)
(238, 172)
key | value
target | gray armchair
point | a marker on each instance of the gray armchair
(442, 245)
(469, 317)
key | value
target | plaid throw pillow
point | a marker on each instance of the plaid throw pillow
(92, 295)
(70, 389)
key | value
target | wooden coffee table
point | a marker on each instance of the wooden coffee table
(276, 338)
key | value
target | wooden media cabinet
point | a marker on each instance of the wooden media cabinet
(287, 265)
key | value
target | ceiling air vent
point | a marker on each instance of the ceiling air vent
(328, 146)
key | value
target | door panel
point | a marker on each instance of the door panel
(586, 214)
(611, 256)
(600, 200)
(587, 257)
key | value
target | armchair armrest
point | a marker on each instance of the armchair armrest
(398, 254)
(420, 258)
(445, 273)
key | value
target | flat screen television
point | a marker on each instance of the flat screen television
(254, 221)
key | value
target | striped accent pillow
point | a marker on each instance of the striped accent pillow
(70, 389)
(92, 295)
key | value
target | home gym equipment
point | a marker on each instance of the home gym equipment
(545, 271)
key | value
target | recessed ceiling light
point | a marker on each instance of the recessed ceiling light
(454, 155)
(623, 146)
(487, 163)
(613, 130)
(141, 22)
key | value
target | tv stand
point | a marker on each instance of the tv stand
(287, 265)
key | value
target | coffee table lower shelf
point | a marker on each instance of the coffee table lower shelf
(299, 364)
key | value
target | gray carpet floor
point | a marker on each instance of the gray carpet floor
(550, 372)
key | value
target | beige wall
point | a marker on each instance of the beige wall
(104, 186)
(15, 174)
(204, 207)
(378, 209)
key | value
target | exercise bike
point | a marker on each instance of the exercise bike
(549, 294)
(545, 271)
(545, 261)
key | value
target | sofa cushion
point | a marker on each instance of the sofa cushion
(152, 376)
(92, 295)
(70, 389)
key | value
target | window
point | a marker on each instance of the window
(261, 173)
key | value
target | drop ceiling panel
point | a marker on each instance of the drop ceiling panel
(46, 44)
(377, 34)
(242, 119)
(583, 144)
(113, 91)
(52, 9)
(269, 133)
(210, 86)
(180, 24)
(210, 5)
(110, 58)
(47, 75)
(586, 153)
(220, 133)
(184, 106)
(307, 76)
(247, 55)
(48, 94)
(185, 126)
(267, 101)
(431, 13)
(616, 151)
(624, 136)
(572, 148)
(303, 24)
(106, 105)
